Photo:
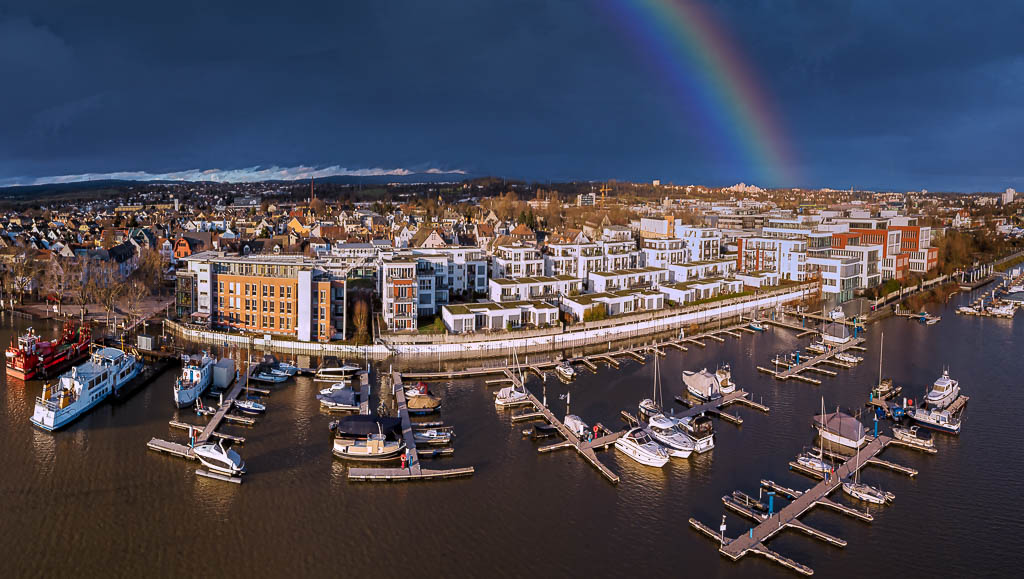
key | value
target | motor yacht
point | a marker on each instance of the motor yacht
(725, 383)
(219, 459)
(671, 435)
(944, 391)
(565, 371)
(935, 419)
(703, 385)
(364, 437)
(701, 430)
(638, 445)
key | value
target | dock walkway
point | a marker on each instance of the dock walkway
(801, 502)
(413, 471)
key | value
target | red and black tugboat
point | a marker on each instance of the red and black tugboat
(32, 357)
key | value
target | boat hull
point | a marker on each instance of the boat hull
(639, 455)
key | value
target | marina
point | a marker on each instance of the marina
(598, 394)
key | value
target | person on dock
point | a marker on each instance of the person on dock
(404, 458)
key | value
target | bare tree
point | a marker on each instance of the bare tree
(135, 292)
(56, 281)
(361, 319)
(106, 285)
(23, 273)
(150, 269)
(77, 274)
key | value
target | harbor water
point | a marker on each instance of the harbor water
(93, 501)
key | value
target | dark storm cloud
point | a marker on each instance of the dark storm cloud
(871, 94)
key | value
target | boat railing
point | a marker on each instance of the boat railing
(49, 404)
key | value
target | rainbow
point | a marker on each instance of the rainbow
(696, 56)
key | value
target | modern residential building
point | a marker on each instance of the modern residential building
(493, 316)
(290, 295)
(786, 256)
(644, 277)
(517, 260)
(533, 288)
(615, 302)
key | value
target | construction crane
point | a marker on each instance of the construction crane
(604, 189)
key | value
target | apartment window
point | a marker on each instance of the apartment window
(271, 322)
(272, 291)
(281, 324)
(220, 287)
(289, 308)
(264, 319)
(264, 290)
(281, 308)
(265, 306)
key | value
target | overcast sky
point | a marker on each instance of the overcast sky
(897, 94)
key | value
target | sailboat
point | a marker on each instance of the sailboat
(246, 405)
(884, 389)
(815, 460)
(512, 395)
(864, 491)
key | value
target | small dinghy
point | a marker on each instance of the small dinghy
(432, 436)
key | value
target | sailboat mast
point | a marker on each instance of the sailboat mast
(881, 341)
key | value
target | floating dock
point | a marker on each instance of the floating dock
(770, 524)
(413, 470)
(204, 432)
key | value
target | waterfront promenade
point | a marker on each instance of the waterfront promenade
(444, 346)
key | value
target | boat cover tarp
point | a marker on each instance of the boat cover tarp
(703, 382)
(363, 425)
(842, 424)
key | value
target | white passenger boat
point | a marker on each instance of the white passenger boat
(196, 376)
(83, 387)
(840, 428)
(944, 391)
(670, 434)
(935, 419)
(702, 385)
(215, 457)
(725, 383)
(565, 370)
(638, 445)
(701, 430)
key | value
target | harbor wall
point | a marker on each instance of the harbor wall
(443, 346)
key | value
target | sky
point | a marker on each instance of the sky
(899, 95)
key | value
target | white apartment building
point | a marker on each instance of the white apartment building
(840, 276)
(619, 254)
(615, 303)
(573, 259)
(682, 272)
(644, 277)
(533, 288)
(870, 259)
(491, 316)
(516, 260)
(784, 256)
(663, 252)
(702, 243)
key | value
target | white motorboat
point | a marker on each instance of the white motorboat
(576, 425)
(338, 398)
(837, 313)
(269, 377)
(278, 367)
(336, 387)
(196, 376)
(701, 430)
(432, 436)
(1003, 310)
(83, 387)
(250, 406)
(671, 435)
(725, 383)
(840, 428)
(703, 385)
(648, 408)
(935, 419)
(217, 458)
(1015, 289)
(756, 326)
(848, 358)
(966, 310)
(565, 370)
(913, 435)
(333, 371)
(638, 445)
(944, 391)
